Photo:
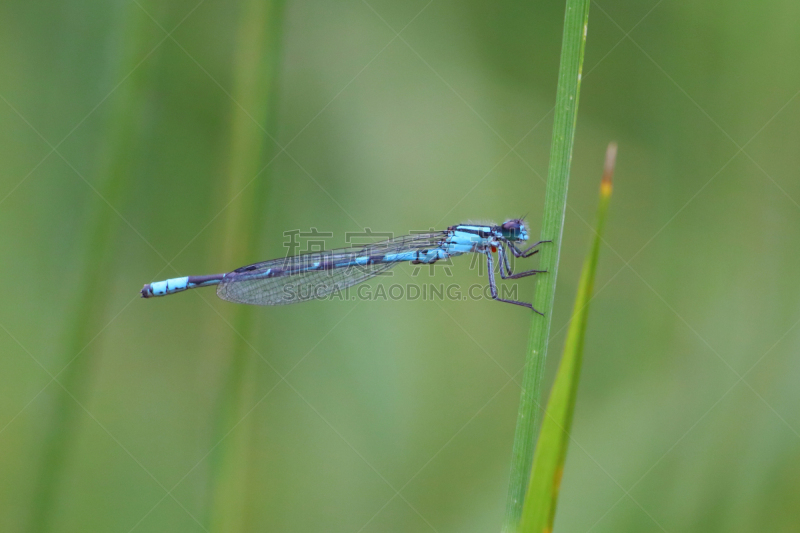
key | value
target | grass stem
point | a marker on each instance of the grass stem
(75, 380)
(252, 107)
(566, 114)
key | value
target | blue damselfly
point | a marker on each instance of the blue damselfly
(310, 276)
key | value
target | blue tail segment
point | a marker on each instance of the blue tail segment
(173, 285)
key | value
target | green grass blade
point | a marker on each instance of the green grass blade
(252, 108)
(548, 463)
(566, 114)
(88, 315)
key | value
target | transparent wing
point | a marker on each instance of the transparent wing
(316, 275)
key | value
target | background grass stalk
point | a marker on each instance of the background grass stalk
(252, 107)
(75, 379)
(541, 498)
(566, 114)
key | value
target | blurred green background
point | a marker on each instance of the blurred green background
(144, 140)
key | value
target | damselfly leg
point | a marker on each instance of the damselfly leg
(527, 252)
(507, 273)
(493, 285)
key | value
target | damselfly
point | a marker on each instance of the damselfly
(315, 275)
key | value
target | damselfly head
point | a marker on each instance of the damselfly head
(514, 230)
